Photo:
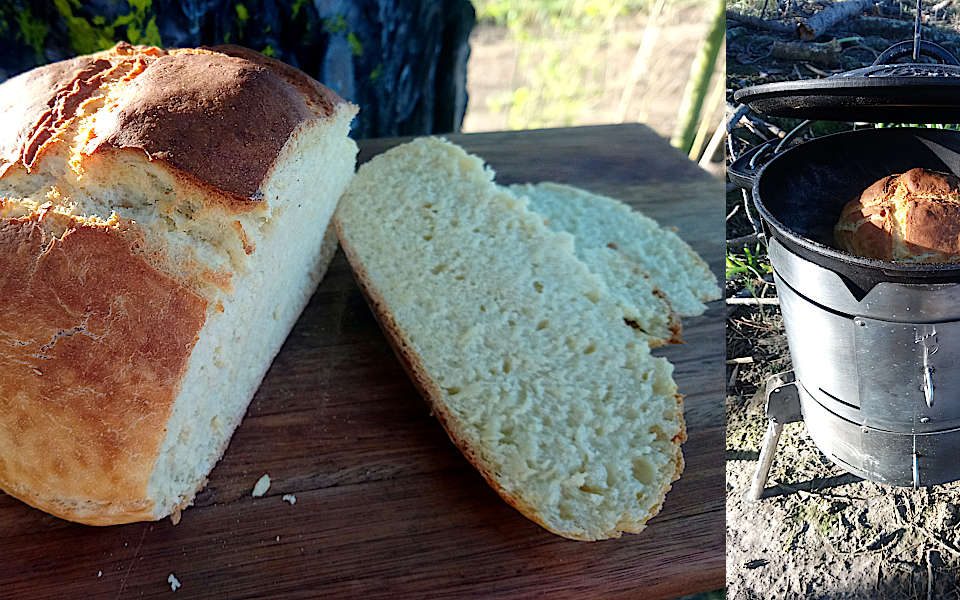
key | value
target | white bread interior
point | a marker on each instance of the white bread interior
(294, 246)
(601, 222)
(519, 348)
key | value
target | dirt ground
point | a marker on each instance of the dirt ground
(589, 89)
(819, 532)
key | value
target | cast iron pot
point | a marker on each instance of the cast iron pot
(875, 344)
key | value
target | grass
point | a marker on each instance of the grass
(562, 50)
(524, 17)
(560, 84)
(749, 262)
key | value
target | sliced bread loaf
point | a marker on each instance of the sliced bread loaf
(601, 222)
(164, 218)
(518, 347)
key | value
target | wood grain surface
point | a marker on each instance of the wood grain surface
(386, 506)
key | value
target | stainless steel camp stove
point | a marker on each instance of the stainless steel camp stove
(875, 344)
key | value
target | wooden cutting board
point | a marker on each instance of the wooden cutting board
(386, 506)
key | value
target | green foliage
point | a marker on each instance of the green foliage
(336, 24)
(84, 36)
(751, 263)
(243, 15)
(268, 50)
(559, 86)
(552, 98)
(297, 7)
(32, 30)
(138, 26)
(567, 15)
(355, 46)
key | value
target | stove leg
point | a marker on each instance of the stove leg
(767, 452)
(783, 406)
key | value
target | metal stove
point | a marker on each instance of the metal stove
(875, 345)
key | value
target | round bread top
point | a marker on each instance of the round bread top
(909, 217)
(218, 116)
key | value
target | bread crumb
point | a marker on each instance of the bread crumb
(174, 582)
(290, 498)
(261, 487)
(278, 538)
(175, 517)
(99, 573)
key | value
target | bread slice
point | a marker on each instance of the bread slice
(645, 307)
(163, 221)
(517, 346)
(601, 222)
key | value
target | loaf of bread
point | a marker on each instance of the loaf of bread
(912, 217)
(519, 349)
(163, 221)
(670, 265)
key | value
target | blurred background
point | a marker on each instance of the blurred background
(436, 66)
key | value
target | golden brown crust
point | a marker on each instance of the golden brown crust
(673, 324)
(911, 217)
(92, 363)
(26, 100)
(431, 393)
(217, 117)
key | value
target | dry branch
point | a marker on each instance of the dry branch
(753, 301)
(826, 54)
(818, 24)
(737, 244)
(759, 23)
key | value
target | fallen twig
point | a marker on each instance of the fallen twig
(743, 360)
(759, 23)
(826, 54)
(940, 542)
(818, 24)
(734, 372)
(816, 71)
(739, 242)
(754, 301)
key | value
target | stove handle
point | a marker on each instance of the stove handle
(744, 170)
(928, 389)
(904, 49)
(928, 385)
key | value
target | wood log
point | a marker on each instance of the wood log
(818, 24)
(826, 54)
(758, 23)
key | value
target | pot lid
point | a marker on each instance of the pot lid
(886, 91)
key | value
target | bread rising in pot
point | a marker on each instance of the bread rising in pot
(909, 217)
